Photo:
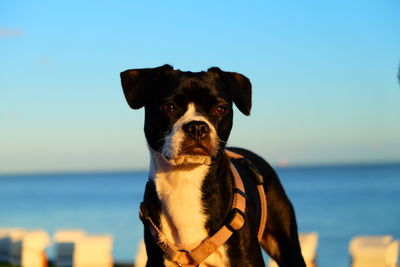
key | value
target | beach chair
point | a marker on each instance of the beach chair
(7, 237)
(141, 255)
(65, 245)
(308, 244)
(374, 251)
(93, 251)
(28, 250)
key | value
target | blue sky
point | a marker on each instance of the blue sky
(323, 74)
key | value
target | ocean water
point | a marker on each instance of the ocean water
(338, 202)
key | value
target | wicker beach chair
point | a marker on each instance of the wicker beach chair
(94, 251)
(141, 255)
(65, 241)
(7, 237)
(308, 244)
(374, 251)
(28, 249)
(75, 248)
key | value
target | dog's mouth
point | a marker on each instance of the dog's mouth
(192, 160)
(196, 150)
(192, 152)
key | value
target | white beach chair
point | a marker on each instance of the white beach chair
(65, 245)
(93, 251)
(7, 237)
(141, 255)
(308, 244)
(374, 251)
(29, 249)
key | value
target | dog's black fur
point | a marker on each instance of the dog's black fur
(152, 88)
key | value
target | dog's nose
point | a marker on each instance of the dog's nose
(196, 129)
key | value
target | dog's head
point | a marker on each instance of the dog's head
(188, 115)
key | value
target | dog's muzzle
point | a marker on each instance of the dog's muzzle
(197, 141)
(196, 129)
(193, 142)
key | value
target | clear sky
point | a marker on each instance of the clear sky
(323, 74)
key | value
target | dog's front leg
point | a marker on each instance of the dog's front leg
(154, 253)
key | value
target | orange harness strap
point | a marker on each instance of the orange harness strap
(261, 194)
(184, 258)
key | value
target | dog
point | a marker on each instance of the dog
(189, 197)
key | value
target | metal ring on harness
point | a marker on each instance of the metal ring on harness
(236, 220)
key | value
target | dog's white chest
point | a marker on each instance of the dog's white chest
(182, 217)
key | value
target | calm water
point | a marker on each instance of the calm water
(337, 202)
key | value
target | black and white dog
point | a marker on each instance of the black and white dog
(188, 119)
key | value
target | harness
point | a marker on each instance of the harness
(234, 222)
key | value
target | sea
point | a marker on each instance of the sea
(337, 202)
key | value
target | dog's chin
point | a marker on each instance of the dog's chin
(190, 160)
(192, 156)
(188, 157)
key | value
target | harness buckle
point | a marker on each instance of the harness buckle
(236, 220)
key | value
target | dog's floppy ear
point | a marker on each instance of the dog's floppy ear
(239, 86)
(138, 84)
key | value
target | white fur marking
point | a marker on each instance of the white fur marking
(179, 190)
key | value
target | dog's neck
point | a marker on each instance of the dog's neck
(179, 189)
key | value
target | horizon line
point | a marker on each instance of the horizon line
(132, 170)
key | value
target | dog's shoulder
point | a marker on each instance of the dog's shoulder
(267, 172)
(261, 164)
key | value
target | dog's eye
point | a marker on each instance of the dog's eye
(220, 110)
(167, 107)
